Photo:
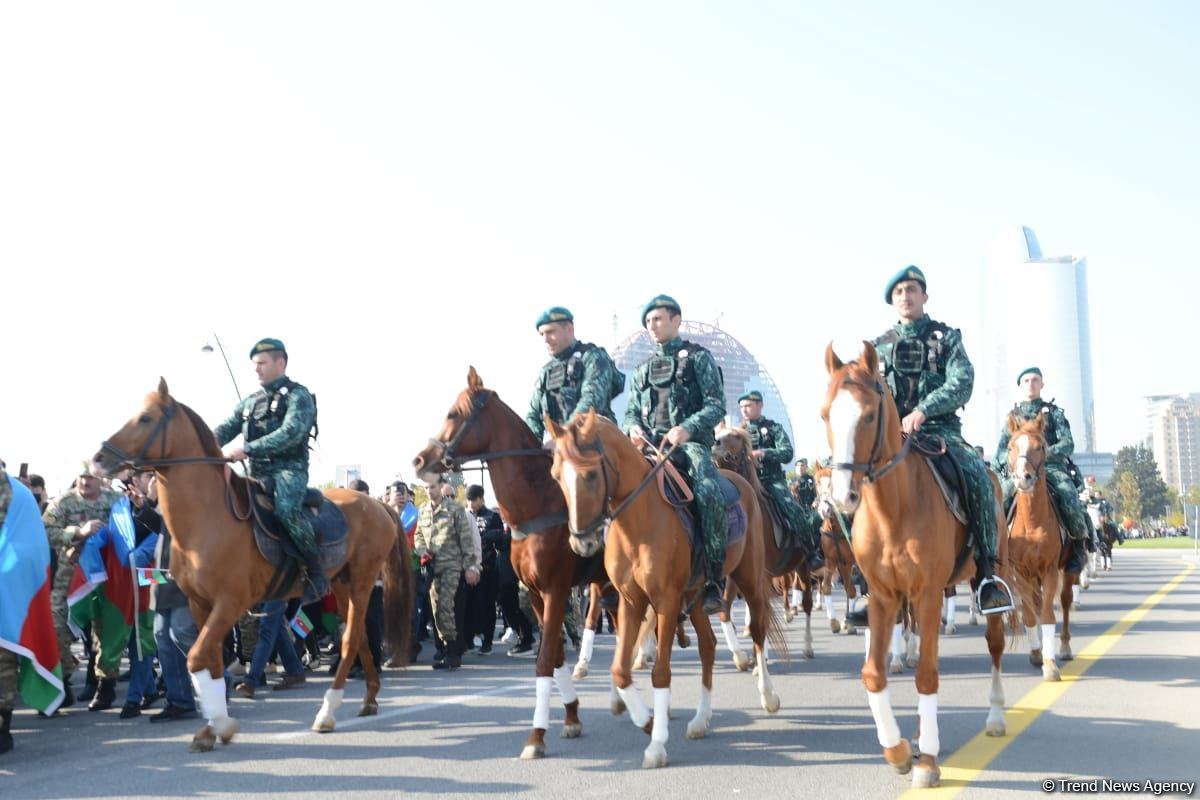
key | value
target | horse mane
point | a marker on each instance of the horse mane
(573, 448)
(208, 441)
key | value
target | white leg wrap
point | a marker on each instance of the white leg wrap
(797, 598)
(650, 646)
(585, 649)
(541, 708)
(330, 705)
(636, 705)
(662, 715)
(927, 705)
(211, 693)
(951, 608)
(885, 720)
(1048, 640)
(1034, 635)
(866, 644)
(730, 636)
(829, 606)
(898, 640)
(566, 686)
(703, 712)
(746, 615)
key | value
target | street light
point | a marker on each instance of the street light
(208, 348)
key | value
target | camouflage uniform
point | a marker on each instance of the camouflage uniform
(445, 533)
(275, 422)
(926, 367)
(63, 518)
(805, 487)
(770, 437)
(581, 377)
(1059, 447)
(681, 385)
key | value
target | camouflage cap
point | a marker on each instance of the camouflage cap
(753, 394)
(554, 314)
(909, 273)
(85, 469)
(1035, 370)
(267, 346)
(660, 301)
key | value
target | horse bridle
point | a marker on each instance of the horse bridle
(1037, 469)
(140, 461)
(871, 474)
(607, 513)
(451, 463)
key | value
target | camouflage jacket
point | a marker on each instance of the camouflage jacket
(581, 377)
(679, 385)
(1060, 445)
(926, 368)
(770, 437)
(275, 422)
(66, 514)
(806, 490)
(446, 533)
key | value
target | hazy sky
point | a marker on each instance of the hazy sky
(397, 189)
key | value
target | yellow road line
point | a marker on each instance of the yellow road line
(973, 758)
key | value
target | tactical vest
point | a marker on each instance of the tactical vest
(265, 415)
(762, 438)
(917, 366)
(1050, 432)
(562, 382)
(668, 376)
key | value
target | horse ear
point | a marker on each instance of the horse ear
(870, 358)
(474, 382)
(832, 362)
(589, 423)
(556, 430)
(163, 394)
(1039, 424)
(1014, 424)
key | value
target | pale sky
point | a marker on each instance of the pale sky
(397, 189)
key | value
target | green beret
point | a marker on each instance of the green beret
(660, 301)
(554, 314)
(754, 395)
(909, 273)
(1026, 371)
(267, 346)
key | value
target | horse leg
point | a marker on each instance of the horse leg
(927, 613)
(632, 612)
(1046, 619)
(706, 643)
(361, 592)
(589, 633)
(951, 609)
(881, 616)
(645, 650)
(1064, 650)
(807, 604)
(1031, 610)
(206, 665)
(851, 593)
(995, 639)
(551, 608)
(353, 639)
(740, 659)
(668, 616)
(973, 619)
(760, 604)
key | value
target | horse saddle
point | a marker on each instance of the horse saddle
(329, 527)
(676, 488)
(950, 479)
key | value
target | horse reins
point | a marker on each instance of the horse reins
(607, 512)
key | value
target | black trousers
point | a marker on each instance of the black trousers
(510, 606)
(482, 605)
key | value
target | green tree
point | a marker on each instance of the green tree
(1138, 462)
(1128, 494)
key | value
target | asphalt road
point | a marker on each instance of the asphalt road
(1132, 715)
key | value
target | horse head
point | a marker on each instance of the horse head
(733, 450)
(586, 476)
(1026, 451)
(464, 433)
(149, 437)
(823, 478)
(860, 419)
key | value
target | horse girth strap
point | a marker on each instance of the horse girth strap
(538, 524)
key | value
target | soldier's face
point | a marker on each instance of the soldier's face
(558, 336)
(88, 486)
(751, 409)
(663, 325)
(269, 367)
(1031, 386)
(908, 298)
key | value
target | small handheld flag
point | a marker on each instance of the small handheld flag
(301, 624)
(152, 577)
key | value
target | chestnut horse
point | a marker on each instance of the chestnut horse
(907, 543)
(649, 559)
(1038, 552)
(835, 544)
(216, 563)
(480, 427)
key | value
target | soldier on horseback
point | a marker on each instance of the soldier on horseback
(678, 397)
(931, 378)
(773, 449)
(275, 424)
(1059, 447)
(578, 376)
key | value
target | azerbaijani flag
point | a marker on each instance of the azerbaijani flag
(103, 592)
(26, 626)
(301, 624)
(149, 576)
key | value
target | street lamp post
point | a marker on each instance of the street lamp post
(208, 348)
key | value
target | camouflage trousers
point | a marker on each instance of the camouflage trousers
(981, 496)
(1070, 508)
(803, 523)
(58, 610)
(445, 585)
(713, 529)
(10, 666)
(290, 486)
(570, 620)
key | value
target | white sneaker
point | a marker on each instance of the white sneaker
(237, 668)
(509, 636)
(478, 641)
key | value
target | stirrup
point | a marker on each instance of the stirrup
(979, 596)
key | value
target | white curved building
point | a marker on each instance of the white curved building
(1035, 314)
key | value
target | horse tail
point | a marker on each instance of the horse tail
(398, 591)
(775, 633)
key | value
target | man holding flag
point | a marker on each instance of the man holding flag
(28, 647)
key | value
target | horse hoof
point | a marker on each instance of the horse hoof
(926, 778)
(789, 615)
(950, 629)
(1065, 655)
(203, 741)
(995, 728)
(368, 710)
(324, 725)
(655, 756)
(1050, 672)
(835, 626)
(741, 661)
(617, 707)
(572, 730)
(641, 662)
(896, 667)
(696, 730)
(1078, 606)
(581, 671)
(808, 653)
(225, 729)
(533, 751)
(900, 757)
(849, 630)
(973, 620)
(770, 703)
(1035, 658)
(685, 641)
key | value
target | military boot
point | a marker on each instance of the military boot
(993, 595)
(816, 559)
(453, 659)
(714, 596)
(6, 740)
(89, 683)
(106, 694)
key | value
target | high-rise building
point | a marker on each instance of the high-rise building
(1174, 422)
(741, 370)
(1035, 314)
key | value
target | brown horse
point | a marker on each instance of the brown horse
(1038, 550)
(216, 563)
(480, 427)
(907, 543)
(839, 557)
(735, 452)
(649, 559)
